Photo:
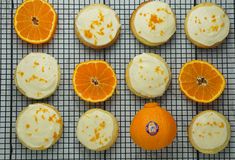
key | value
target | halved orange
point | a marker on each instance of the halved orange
(94, 81)
(35, 21)
(201, 81)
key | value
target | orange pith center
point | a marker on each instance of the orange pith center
(35, 21)
(201, 81)
(94, 81)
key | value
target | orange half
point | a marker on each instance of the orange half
(201, 81)
(94, 81)
(35, 21)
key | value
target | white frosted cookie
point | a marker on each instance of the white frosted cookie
(37, 75)
(148, 75)
(207, 25)
(97, 26)
(209, 132)
(39, 126)
(97, 129)
(153, 23)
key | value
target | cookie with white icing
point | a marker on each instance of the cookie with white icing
(37, 75)
(209, 132)
(39, 126)
(148, 75)
(153, 23)
(207, 25)
(97, 26)
(97, 129)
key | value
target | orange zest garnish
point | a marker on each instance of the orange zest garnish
(55, 135)
(201, 81)
(88, 34)
(154, 19)
(94, 81)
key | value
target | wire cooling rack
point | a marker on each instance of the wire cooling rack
(67, 49)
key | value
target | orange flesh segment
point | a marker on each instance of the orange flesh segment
(35, 21)
(201, 81)
(94, 81)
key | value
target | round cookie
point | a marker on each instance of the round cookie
(97, 26)
(209, 132)
(207, 25)
(148, 75)
(153, 23)
(37, 75)
(97, 129)
(39, 126)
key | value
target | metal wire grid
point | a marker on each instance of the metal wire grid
(67, 49)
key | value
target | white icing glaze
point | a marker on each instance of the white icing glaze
(100, 22)
(38, 126)
(149, 76)
(95, 129)
(208, 25)
(209, 131)
(160, 27)
(37, 75)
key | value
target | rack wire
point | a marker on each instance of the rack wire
(67, 49)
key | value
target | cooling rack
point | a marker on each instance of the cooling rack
(67, 49)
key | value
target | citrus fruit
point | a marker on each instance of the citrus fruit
(153, 127)
(201, 81)
(94, 81)
(35, 21)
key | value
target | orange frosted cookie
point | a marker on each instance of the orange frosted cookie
(153, 23)
(207, 25)
(37, 75)
(39, 126)
(97, 129)
(209, 132)
(97, 26)
(148, 75)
